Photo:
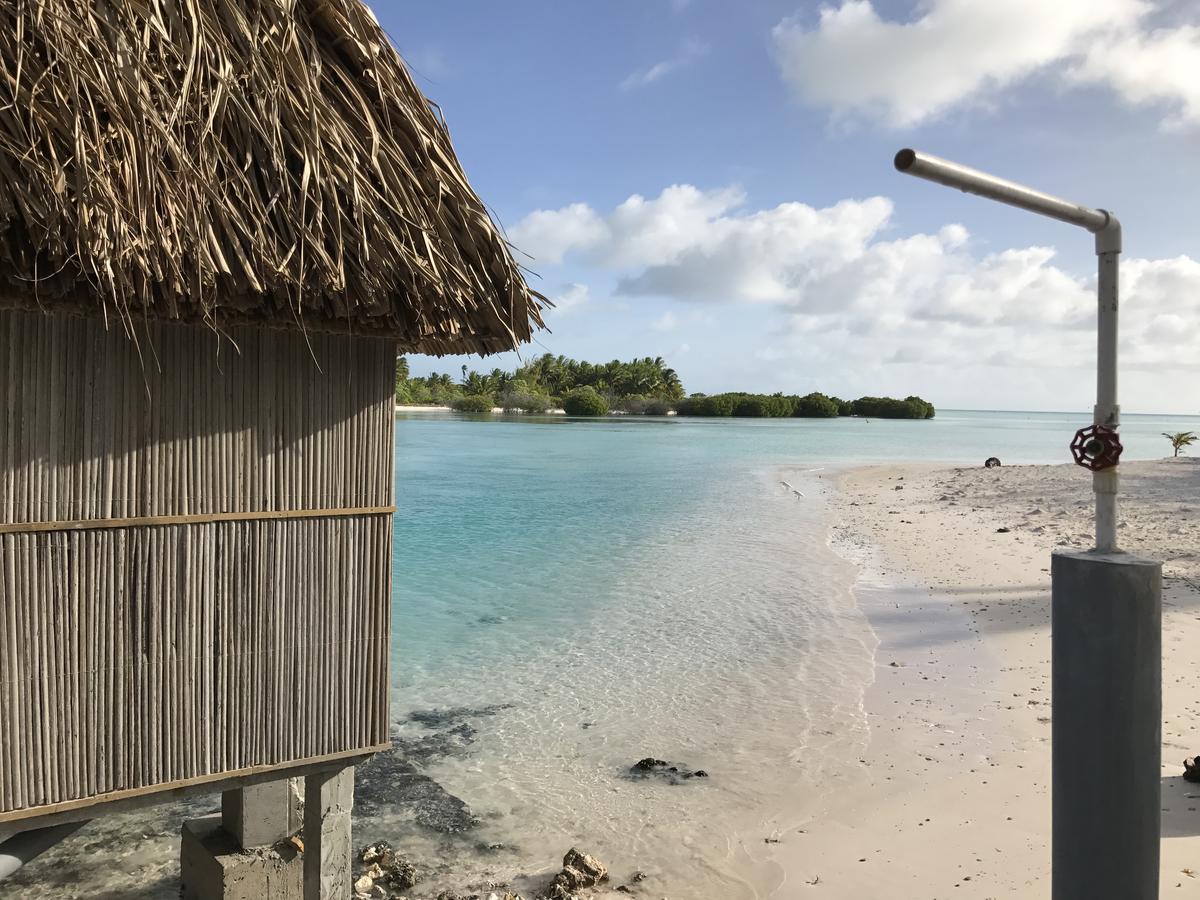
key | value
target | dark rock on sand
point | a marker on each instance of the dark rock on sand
(651, 767)
(580, 870)
(636, 878)
(386, 867)
(649, 764)
(1191, 770)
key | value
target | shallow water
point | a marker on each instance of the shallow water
(618, 591)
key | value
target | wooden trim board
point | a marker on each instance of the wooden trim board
(90, 807)
(200, 519)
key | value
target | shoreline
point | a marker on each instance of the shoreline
(952, 797)
(496, 410)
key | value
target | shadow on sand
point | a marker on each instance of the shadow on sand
(1180, 807)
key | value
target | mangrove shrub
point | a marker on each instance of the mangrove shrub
(585, 401)
(473, 403)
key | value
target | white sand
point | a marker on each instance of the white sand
(953, 797)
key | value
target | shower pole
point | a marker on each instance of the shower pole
(1106, 617)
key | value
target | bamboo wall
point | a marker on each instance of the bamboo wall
(194, 554)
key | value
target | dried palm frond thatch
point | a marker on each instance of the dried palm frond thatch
(226, 161)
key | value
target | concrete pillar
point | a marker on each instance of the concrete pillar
(328, 858)
(1107, 725)
(262, 814)
(214, 866)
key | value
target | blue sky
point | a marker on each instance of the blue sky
(711, 181)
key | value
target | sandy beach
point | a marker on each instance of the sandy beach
(952, 798)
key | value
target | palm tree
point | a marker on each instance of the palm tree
(672, 385)
(475, 384)
(1180, 439)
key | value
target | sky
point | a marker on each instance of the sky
(711, 181)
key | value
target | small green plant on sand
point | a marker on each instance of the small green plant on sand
(1180, 439)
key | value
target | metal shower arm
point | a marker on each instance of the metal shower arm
(1107, 230)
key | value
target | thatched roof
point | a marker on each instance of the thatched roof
(232, 160)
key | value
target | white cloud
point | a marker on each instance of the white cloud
(958, 52)
(547, 235)
(696, 242)
(668, 321)
(1159, 67)
(846, 287)
(571, 297)
(691, 51)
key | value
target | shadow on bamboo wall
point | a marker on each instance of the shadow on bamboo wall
(186, 422)
(141, 655)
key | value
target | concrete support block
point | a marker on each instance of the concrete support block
(212, 866)
(1107, 726)
(262, 814)
(328, 802)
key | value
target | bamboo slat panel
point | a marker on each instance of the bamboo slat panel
(132, 657)
(92, 426)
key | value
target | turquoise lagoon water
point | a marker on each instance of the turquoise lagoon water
(573, 595)
(523, 521)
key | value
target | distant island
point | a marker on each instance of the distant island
(645, 386)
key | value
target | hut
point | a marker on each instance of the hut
(219, 223)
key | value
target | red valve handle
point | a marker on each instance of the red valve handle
(1096, 447)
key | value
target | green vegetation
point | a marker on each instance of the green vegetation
(518, 397)
(1180, 439)
(648, 378)
(818, 406)
(585, 401)
(645, 386)
(810, 406)
(540, 384)
(888, 408)
(473, 403)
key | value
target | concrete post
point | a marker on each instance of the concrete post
(261, 814)
(1107, 726)
(213, 866)
(328, 802)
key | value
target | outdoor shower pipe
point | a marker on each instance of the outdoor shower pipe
(1107, 229)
